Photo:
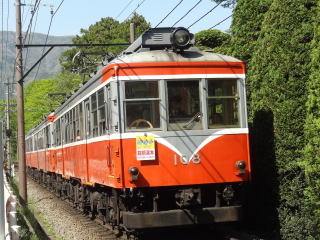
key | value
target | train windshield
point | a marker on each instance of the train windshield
(223, 101)
(184, 105)
(142, 105)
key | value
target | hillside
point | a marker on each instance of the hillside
(49, 65)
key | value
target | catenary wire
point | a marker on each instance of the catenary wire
(6, 42)
(134, 10)
(205, 14)
(187, 13)
(53, 14)
(124, 9)
(169, 13)
(221, 22)
(31, 37)
(2, 40)
(37, 3)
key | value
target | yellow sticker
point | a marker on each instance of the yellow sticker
(145, 148)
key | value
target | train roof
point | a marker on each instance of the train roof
(190, 55)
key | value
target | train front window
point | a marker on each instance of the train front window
(184, 105)
(223, 101)
(142, 105)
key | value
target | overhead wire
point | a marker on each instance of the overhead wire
(124, 9)
(169, 13)
(187, 12)
(31, 37)
(6, 42)
(134, 10)
(47, 36)
(2, 39)
(217, 5)
(221, 22)
(36, 7)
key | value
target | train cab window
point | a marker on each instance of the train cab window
(184, 105)
(101, 113)
(223, 101)
(142, 105)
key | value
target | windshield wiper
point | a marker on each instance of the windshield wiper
(196, 118)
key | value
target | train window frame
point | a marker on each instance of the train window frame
(94, 114)
(87, 117)
(197, 117)
(156, 101)
(101, 106)
(223, 98)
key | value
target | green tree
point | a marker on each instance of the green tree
(248, 17)
(214, 39)
(311, 161)
(107, 30)
(281, 68)
(37, 101)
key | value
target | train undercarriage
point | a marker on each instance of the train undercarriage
(144, 208)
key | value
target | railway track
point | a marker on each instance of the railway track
(70, 223)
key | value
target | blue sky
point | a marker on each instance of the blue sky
(76, 14)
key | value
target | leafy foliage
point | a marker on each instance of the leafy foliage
(311, 161)
(37, 101)
(280, 67)
(107, 30)
(226, 3)
(215, 39)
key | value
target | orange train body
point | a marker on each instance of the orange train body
(151, 125)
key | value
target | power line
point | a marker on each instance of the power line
(187, 13)
(2, 39)
(169, 13)
(7, 40)
(134, 10)
(52, 15)
(31, 37)
(221, 22)
(124, 9)
(37, 3)
(205, 15)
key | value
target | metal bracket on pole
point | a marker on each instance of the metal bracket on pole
(34, 65)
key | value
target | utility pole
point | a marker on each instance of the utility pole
(8, 131)
(132, 32)
(2, 210)
(20, 108)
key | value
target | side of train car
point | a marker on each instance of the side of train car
(156, 138)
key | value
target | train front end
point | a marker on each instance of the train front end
(183, 133)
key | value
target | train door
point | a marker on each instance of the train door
(87, 126)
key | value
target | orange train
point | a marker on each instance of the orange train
(157, 138)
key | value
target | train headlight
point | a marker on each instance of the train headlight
(241, 166)
(134, 173)
(181, 38)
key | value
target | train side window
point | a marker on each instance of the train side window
(142, 105)
(48, 142)
(184, 105)
(76, 124)
(73, 125)
(87, 118)
(94, 114)
(223, 100)
(81, 125)
(58, 134)
(101, 113)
